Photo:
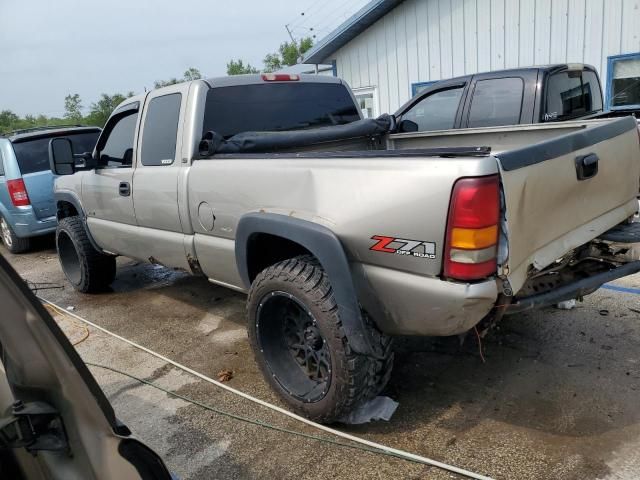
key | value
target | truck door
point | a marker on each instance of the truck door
(155, 181)
(107, 189)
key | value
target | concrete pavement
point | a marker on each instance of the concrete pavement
(556, 398)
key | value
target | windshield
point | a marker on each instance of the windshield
(33, 155)
(277, 107)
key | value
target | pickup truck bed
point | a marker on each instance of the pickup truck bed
(538, 174)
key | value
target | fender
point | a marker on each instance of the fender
(73, 199)
(326, 247)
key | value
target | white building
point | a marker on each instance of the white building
(391, 48)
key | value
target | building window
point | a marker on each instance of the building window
(367, 101)
(623, 81)
(416, 88)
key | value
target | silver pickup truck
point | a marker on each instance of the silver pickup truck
(342, 232)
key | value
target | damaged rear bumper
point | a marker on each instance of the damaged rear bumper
(572, 290)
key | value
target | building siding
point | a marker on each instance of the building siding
(428, 40)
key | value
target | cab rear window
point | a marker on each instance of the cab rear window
(273, 107)
(572, 94)
(33, 154)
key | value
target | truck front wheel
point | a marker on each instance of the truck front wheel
(301, 347)
(87, 269)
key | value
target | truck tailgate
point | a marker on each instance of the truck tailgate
(564, 192)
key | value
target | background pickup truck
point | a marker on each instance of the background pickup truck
(345, 235)
(527, 95)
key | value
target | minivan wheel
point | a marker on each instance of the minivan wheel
(13, 243)
(300, 345)
(87, 269)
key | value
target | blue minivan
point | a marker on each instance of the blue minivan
(27, 207)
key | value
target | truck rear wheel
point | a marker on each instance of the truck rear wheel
(14, 243)
(301, 347)
(87, 269)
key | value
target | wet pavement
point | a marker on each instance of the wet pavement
(557, 396)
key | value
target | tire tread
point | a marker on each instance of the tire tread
(364, 376)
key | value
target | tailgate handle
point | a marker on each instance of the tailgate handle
(587, 166)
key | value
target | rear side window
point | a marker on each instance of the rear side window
(572, 94)
(1, 165)
(436, 111)
(160, 130)
(277, 106)
(33, 155)
(496, 101)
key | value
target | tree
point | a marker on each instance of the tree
(101, 110)
(288, 54)
(190, 74)
(237, 67)
(165, 83)
(72, 107)
(8, 121)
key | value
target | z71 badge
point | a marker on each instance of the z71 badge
(402, 246)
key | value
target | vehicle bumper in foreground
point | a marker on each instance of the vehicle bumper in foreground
(572, 290)
(26, 224)
(403, 303)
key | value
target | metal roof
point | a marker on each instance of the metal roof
(350, 29)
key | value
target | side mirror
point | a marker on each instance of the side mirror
(408, 126)
(61, 159)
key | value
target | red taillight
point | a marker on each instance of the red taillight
(280, 77)
(473, 229)
(18, 193)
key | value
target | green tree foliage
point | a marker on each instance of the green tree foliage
(288, 54)
(190, 74)
(72, 107)
(8, 121)
(100, 111)
(237, 67)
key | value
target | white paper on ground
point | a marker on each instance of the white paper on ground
(566, 305)
(379, 408)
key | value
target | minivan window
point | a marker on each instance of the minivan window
(33, 154)
(436, 111)
(571, 94)
(496, 101)
(118, 149)
(277, 107)
(160, 130)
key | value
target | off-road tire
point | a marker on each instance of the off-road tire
(354, 378)
(14, 243)
(87, 269)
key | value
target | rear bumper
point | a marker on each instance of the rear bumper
(403, 303)
(572, 290)
(25, 223)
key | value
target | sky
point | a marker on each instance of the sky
(49, 48)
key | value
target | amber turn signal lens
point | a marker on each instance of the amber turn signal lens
(474, 238)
